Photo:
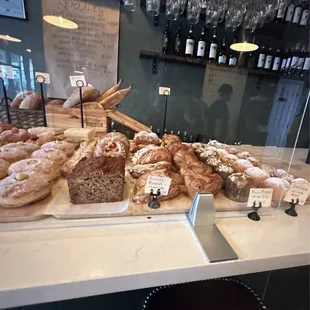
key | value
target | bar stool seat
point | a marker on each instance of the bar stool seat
(217, 294)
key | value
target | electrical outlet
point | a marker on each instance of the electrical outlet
(164, 91)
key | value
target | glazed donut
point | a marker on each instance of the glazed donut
(241, 165)
(20, 189)
(253, 161)
(231, 150)
(4, 165)
(57, 156)
(36, 165)
(280, 173)
(67, 147)
(221, 153)
(280, 187)
(257, 175)
(266, 168)
(11, 155)
(243, 155)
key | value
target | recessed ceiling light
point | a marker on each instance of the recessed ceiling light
(244, 47)
(83, 68)
(9, 38)
(78, 72)
(60, 21)
(28, 50)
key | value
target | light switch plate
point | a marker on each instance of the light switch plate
(164, 91)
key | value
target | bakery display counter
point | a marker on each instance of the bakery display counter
(51, 260)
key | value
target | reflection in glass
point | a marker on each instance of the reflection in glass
(172, 9)
(130, 5)
(193, 11)
(153, 7)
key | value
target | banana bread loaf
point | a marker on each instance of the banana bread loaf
(97, 179)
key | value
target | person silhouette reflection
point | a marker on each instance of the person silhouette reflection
(218, 115)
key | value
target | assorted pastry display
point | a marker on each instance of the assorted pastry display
(31, 161)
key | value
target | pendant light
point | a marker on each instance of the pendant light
(60, 21)
(245, 43)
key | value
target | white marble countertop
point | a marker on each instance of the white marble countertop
(54, 260)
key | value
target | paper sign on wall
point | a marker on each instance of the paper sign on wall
(45, 75)
(75, 78)
(154, 183)
(298, 190)
(6, 72)
(260, 195)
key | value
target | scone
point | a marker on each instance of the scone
(4, 165)
(67, 147)
(36, 165)
(20, 189)
(57, 156)
(12, 155)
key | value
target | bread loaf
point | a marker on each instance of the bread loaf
(88, 94)
(115, 98)
(32, 102)
(97, 180)
(109, 91)
(19, 98)
(92, 105)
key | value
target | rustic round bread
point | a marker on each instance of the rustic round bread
(57, 156)
(12, 155)
(20, 97)
(67, 147)
(32, 102)
(88, 94)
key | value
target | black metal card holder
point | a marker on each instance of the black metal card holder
(154, 202)
(254, 216)
(291, 210)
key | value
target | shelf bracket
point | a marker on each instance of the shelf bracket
(156, 21)
(154, 65)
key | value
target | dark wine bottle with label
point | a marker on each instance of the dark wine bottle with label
(281, 11)
(158, 132)
(304, 16)
(295, 59)
(268, 60)
(201, 48)
(184, 136)
(222, 58)
(288, 61)
(289, 13)
(261, 57)
(276, 61)
(306, 66)
(165, 42)
(301, 60)
(284, 60)
(213, 48)
(297, 14)
(177, 42)
(190, 43)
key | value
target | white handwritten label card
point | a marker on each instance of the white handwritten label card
(260, 195)
(154, 183)
(7, 72)
(43, 77)
(298, 190)
(76, 78)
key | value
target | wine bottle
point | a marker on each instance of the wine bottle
(288, 61)
(284, 60)
(151, 127)
(184, 136)
(158, 132)
(251, 60)
(222, 58)
(301, 60)
(268, 60)
(295, 59)
(201, 49)
(213, 48)
(289, 13)
(165, 42)
(261, 57)
(190, 43)
(281, 11)
(277, 61)
(177, 42)
(304, 17)
(191, 139)
(172, 132)
(306, 67)
(297, 14)
(165, 131)
(179, 133)
(232, 61)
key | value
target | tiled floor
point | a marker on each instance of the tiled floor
(286, 289)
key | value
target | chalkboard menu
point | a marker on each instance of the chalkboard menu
(90, 50)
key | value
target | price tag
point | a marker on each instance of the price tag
(45, 75)
(75, 78)
(298, 190)
(260, 195)
(154, 183)
(7, 72)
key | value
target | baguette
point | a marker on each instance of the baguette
(20, 97)
(110, 91)
(88, 94)
(115, 98)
